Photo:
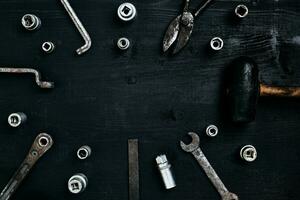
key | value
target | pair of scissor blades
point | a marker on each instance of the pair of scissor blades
(181, 27)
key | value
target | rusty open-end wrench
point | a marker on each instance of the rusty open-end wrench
(210, 172)
(41, 144)
(85, 35)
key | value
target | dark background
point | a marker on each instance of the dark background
(105, 97)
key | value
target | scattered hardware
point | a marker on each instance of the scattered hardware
(41, 145)
(77, 183)
(84, 152)
(165, 171)
(123, 43)
(212, 131)
(241, 11)
(248, 153)
(133, 169)
(181, 28)
(85, 35)
(204, 163)
(127, 12)
(48, 47)
(16, 119)
(243, 89)
(41, 84)
(216, 43)
(31, 22)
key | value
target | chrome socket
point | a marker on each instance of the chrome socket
(212, 131)
(248, 153)
(77, 183)
(216, 43)
(165, 170)
(241, 11)
(123, 43)
(16, 119)
(84, 152)
(48, 47)
(127, 11)
(31, 22)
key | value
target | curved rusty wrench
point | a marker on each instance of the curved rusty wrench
(204, 163)
(85, 35)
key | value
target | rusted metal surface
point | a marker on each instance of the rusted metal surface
(194, 148)
(181, 27)
(40, 146)
(37, 74)
(133, 169)
(266, 90)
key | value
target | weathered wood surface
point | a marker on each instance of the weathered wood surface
(105, 97)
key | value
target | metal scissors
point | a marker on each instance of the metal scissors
(181, 27)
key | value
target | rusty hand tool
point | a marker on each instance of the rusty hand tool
(85, 35)
(194, 148)
(41, 84)
(41, 145)
(244, 88)
(181, 27)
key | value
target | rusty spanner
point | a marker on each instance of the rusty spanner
(41, 144)
(204, 163)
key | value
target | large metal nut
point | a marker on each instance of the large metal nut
(126, 11)
(31, 22)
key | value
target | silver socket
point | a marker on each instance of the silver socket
(31, 22)
(77, 183)
(123, 43)
(16, 119)
(48, 47)
(241, 11)
(212, 131)
(216, 43)
(248, 153)
(165, 170)
(126, 12)
(84, 152)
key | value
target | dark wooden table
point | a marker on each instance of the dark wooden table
(105, 97)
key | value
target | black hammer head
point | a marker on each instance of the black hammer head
(243, 89)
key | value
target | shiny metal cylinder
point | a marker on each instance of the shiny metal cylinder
(16, 119)
(77, 183)
(84, 152)
(31, 22)
(165, 170)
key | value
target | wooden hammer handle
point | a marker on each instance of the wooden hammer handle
(279, 91)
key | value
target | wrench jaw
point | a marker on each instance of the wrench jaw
(230, 196)
(193, 145)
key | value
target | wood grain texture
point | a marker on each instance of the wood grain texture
(105, 97)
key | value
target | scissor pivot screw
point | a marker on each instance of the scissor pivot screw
(216, 44)
(126, 11)
(241, 11)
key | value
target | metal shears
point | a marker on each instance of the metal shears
(181, 27)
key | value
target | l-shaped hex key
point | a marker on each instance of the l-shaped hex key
(39, 82)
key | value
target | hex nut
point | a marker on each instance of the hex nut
(126, 11)
(48, 47)
(84, 152)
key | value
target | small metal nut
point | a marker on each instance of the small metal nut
(123, 43)
(241, 11)
(248, 153)
(212, 131)
(126, 11)
(84, 152)
(165, 170)
(31, 22)
(16, 119)
(77, 183)
(48, 47)
(216, 43)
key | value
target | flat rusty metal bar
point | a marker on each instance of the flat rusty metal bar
(133, 169)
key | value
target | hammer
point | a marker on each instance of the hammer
(244, 89)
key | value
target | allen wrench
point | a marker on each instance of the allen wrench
(85, 35)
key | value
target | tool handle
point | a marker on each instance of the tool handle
(279, 91)
(210, 172)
